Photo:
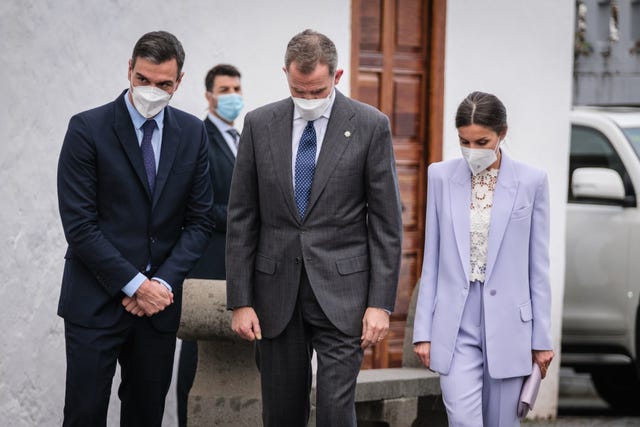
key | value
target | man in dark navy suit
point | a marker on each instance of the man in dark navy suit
(135, 201)
(224, 95)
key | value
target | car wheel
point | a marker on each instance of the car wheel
(620, 387)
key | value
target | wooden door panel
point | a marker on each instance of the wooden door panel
(410, 26)
(407, 90)
(370, 22)
(369, 87)
(409, 187)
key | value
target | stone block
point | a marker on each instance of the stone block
(226, 388)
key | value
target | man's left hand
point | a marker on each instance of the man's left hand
(375, 325)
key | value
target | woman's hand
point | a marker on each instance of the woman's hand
(543, 359)
(423, 350)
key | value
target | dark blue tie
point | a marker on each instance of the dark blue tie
(147, 152)
(305, 167)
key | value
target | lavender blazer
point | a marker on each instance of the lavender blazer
(517, 294)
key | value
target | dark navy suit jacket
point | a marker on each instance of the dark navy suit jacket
(113, 224)
(221, 162)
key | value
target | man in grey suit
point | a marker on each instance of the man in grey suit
(314, 238)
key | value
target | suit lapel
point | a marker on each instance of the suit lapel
(460, 199)
(340, 130)
(123, 127)
(504, 197)
(280, 135)
(170, 142)
(216, 138)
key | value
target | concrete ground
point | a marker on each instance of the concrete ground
(580, 406)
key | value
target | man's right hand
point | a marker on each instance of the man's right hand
(244, 322)
(153, 297)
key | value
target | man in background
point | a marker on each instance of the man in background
(135, 201)
(224, 96)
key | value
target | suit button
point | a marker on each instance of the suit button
(298, 260)
(153, 240)
(492, 292)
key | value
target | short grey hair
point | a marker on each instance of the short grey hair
(310, 48)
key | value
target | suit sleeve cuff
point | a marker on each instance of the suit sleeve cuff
(133, 285)
(168, 286)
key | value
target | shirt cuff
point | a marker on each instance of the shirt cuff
(168, 286)
(133, 285)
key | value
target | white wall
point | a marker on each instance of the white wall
(521, 51)
(61, 57)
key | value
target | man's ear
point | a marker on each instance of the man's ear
(338, 75)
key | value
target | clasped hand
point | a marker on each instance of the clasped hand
(151, 298)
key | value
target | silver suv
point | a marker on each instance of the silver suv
(601, 317)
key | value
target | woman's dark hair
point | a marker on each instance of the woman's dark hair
(158, 47)
(483, 109)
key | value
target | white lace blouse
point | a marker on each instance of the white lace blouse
(482, 188)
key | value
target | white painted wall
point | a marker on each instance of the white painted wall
(521, 51)
(61, 57)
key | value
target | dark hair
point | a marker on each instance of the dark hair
(482, 109)
(158, 47)
(220, 70)
(309, 48)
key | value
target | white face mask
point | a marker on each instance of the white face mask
(312, 109)
(149, 100)
(479, 159)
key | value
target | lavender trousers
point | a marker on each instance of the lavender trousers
(471, 396)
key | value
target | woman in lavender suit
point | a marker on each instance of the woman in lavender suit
(484, 302)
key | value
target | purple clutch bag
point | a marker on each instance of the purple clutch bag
(529, 391)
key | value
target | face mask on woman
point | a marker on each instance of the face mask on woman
(480, 159)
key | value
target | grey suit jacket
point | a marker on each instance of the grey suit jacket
(351, 237)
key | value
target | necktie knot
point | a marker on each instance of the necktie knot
(235, 135)
(148, 127)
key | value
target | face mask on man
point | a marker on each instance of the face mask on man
(149, 100)
(479, 159)
(229, 106)
(312, 109)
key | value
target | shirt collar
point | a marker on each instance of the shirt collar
(220, 124)
(327, 111)
(137, 118)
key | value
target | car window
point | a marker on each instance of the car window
(633, 135)
(590, 148)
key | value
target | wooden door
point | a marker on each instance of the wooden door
(397, 65)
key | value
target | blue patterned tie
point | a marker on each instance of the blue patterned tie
(147, 152)
(305, 167)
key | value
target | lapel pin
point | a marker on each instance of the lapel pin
(347, 134)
